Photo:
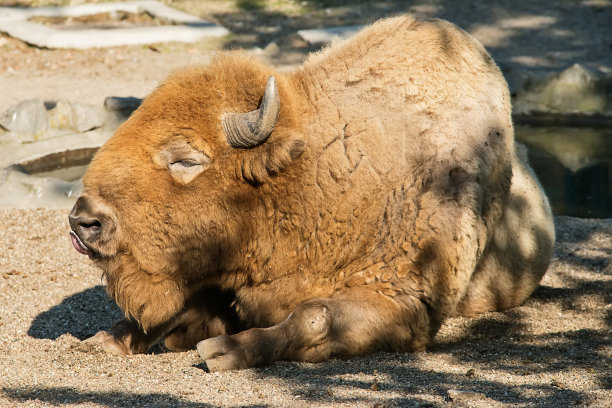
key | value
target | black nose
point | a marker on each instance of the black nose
(87, 225)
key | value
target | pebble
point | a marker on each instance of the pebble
(465, 396)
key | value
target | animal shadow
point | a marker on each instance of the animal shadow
(81, 315)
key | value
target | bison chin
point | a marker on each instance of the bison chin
(151, 299)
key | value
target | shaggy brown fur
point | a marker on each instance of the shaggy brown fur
(389, 196)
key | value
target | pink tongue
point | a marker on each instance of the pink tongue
(77, 244)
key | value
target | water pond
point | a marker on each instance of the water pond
(574, 166)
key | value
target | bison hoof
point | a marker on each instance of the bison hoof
(222, 353)
(108, 343)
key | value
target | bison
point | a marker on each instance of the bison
(345, 208)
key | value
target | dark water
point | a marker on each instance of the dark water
(574, 166)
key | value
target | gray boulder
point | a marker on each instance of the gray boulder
(577, 89)
(27, 121)
(76, 117)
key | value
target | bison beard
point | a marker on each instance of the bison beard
(345, 208)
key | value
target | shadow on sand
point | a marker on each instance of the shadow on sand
(81, 315)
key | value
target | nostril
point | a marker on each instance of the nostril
(88, 229)
(92, 225)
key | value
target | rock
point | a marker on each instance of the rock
(119, 109)
(19, 190)
(30, 121)
(27, 121)
(14, 152)
(271, 49)
(118, 103)
(294, 41)
(577, 89)
(75, 116)
(185, 27)
(59, 160)
(46, 147)
(465, 396)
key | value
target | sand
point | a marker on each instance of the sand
(553, 351)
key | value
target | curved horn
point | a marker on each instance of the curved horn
(245, 130)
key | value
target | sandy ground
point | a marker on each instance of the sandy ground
(554, 351)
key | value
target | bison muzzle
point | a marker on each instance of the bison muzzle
(347, 207)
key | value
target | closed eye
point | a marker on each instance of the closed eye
(185, 163)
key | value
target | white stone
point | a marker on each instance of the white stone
(26, 121)
(75, 116)
(186, 28)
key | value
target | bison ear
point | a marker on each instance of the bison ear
(269, 159)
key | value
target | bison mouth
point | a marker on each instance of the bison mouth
(79, 245)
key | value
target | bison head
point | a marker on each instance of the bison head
(170, 198)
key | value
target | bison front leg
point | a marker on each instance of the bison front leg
(126, 337)
(194, 326)
(354, 323)
(182, 333)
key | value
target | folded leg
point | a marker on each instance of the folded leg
(354, 322)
